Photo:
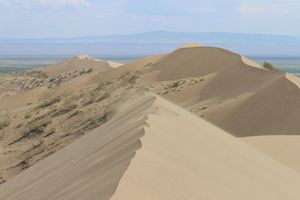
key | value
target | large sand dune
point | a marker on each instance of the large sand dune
(181, 157)
(238, 96)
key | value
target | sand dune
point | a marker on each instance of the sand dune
(90, 168)
(181, 157)
(238, 96)
(78, 63)
(184, 157)
(284, 148)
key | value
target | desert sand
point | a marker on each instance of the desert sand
(177, 161)
(219, 85)
(77, 63)
(283, 148)
(197, 123)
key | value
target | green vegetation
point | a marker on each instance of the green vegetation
(269, 66)
(176, 84)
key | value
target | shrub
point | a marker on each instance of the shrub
(74, 113)
(269, 66)
(4, 124)
(49, 132)
(28, 115)
(176, 84)
(36, 127)
(103, 97)
(132, 79)
(100, 86)
(64, 109)
(49, 102)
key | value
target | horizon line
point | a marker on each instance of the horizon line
(147, 32)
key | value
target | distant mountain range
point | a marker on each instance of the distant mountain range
(152, 43)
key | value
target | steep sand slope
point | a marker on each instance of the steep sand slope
(77, 63)
(237, 96)
(284, 148)
(197, 61)
(182, 157)
(88, 169)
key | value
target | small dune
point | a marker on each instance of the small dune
(82, 62)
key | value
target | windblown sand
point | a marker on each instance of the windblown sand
(181, 157)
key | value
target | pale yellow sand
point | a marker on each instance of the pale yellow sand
(284, 148)
(191, 45)
(182, 157)
(250, 62)
(294, 79)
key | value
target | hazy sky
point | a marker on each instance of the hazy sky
(69, 18)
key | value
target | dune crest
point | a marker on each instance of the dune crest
(251, 63)
(177, 161)
(184, 157)
(77, 63)
(190, 45)
(294, 79)
(91, 167)
(84, 57)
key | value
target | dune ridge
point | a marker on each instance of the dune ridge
(224, 88)
(177, 161)
(82, 62)
(294, 79)
(184, 157)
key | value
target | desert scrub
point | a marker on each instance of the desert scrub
(100, 86)
(74, 113)
(87, 102)
(49, 102)
(49, 131)
(94, 122)
(4, 124)
(28, 115)
(64, 109)
(35, 128)
(130, 78)
(176, 84)
(133, 78)
(102, 97)
(269, 66)
(107, 115)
